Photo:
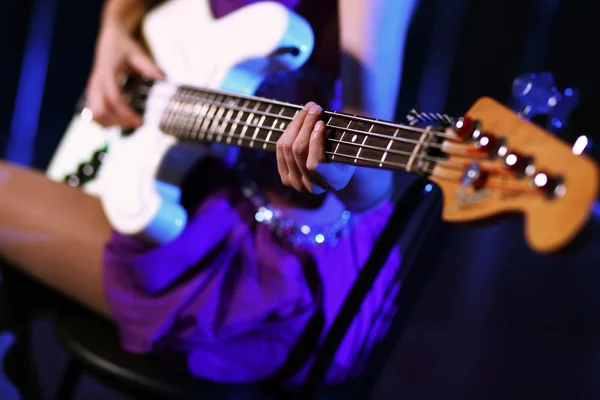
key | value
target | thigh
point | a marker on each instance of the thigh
(54, 233)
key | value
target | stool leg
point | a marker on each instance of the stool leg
(16, 360)
(69, 381)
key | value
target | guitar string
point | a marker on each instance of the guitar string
(180, 113)
(183, 112)
(224, 122)
(187, 100)
(215, 93)
(427, 169)
(238, 137)
(215, 121)
(200, 102)
(219, 133)
(177, 104)
(191, 93)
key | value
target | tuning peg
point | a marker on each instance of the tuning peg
(535, 93)
(539, 100)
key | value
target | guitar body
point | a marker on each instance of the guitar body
(138, 181)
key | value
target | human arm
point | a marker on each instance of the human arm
(118, 53)
(372, 37)
(126, 14)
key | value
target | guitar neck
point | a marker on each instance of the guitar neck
(211, 116)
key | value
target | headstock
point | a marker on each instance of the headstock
(500, 163)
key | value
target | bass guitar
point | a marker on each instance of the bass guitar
(490, 162)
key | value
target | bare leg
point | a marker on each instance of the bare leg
(54, 233)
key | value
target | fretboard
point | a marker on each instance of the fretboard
(252, 122)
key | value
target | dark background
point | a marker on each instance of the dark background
(496, 320)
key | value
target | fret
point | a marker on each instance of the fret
(231, 102)
(191, 109)
(248, 122)
(194, 112)
(419, 152)
(180, 118)
(376, 143)
(328, 123)
(175, 114)
(166, 121)
(387, 148)
(403, 146)
(364, 142)
(287, 115)
(208, 118)
(234, 126)
(199, 120)
(295, 112)
(260, 123)
(337, 132)
(197, 101)
(216, 120)
(278, 123)
(273, 126)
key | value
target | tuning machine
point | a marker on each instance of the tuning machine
(536, 98)
(471, 132)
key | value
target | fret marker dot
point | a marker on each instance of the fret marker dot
(305, 229)
(354, 138)
(319, 238)
(282, 126)
(255, 120)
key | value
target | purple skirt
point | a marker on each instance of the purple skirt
(230, 299)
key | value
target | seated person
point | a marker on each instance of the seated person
(230, 297)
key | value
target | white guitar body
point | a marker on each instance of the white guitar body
(233, 54)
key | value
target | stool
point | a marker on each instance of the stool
(93, 346)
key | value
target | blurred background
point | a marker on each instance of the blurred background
(496, 321)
